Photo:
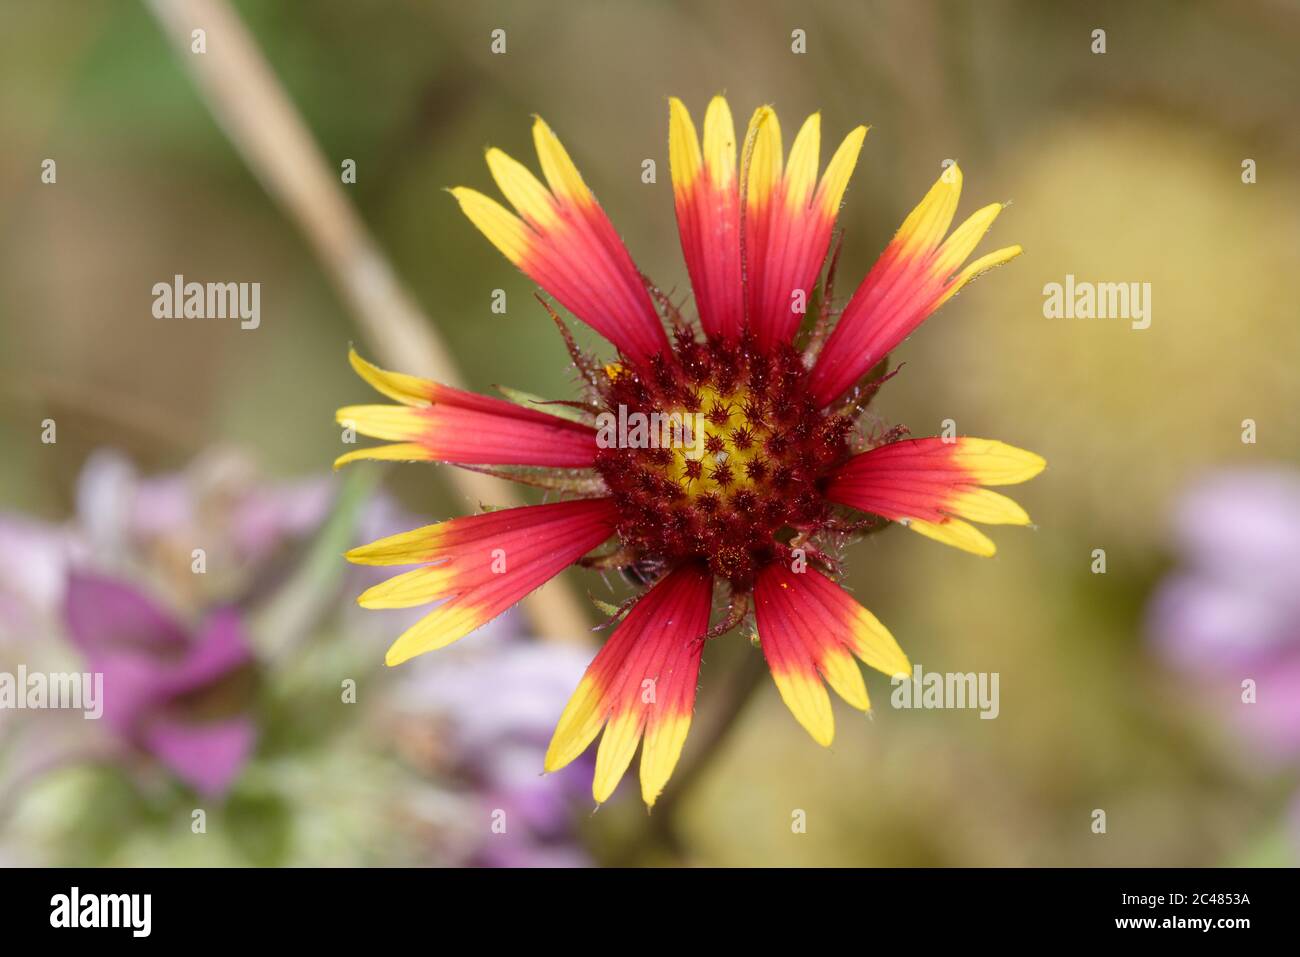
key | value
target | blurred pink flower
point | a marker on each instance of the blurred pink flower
(219, 502)
(34, 557)
(116, 580)
(146, 528)
(495, 705)
(169, 689)
(1232, 611)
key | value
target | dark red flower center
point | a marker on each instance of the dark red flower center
(715, 453)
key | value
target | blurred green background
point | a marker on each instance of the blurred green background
(1119, 167)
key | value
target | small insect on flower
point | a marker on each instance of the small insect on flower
(783, 468)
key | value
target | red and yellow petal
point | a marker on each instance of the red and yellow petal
(640, 687)
(479, 566)
(563, 240)
(707, 197)
(916, 274)
(932, 486)
(447, 434)
(414, 391)
(789, 216)
(811, 631)
(440, 424)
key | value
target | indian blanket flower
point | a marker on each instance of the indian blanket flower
(757, 495)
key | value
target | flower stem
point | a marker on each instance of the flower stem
(261, 122)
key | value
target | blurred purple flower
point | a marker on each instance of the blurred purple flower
(1232, 612)
(117, 581)
(146, 528)
(170, 690)
(219, 503)
(34, 557)
(496, 703)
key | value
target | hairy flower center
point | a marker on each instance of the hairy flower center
(719, 450)
(716, 454)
